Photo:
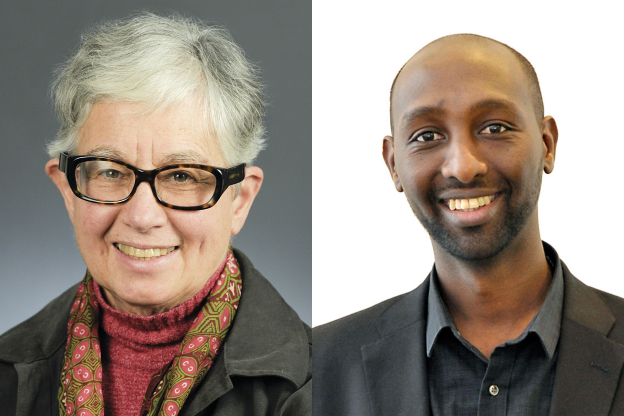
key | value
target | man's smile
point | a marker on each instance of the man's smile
(469, 208)
(143, 254)
(469, 204)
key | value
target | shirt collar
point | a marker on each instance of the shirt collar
(546, 323)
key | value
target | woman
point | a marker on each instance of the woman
(160, 120)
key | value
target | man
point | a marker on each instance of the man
(161, 119)
(500, 326)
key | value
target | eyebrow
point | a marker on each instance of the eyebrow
(419, 112)
(103, 151)
(186, 156)
(495, 104)
(500, 105)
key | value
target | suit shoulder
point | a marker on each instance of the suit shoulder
(613, 302)
(616, 306)
(351, 331)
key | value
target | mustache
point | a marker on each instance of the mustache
(453, 184)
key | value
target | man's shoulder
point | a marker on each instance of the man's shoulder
(593, 308)
(41, 335)
(615, 304)
(356, 329)
(346, 336)
(339, 359)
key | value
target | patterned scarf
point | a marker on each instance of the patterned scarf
(81, 379)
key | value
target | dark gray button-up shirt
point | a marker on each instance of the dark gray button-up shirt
(518, 378)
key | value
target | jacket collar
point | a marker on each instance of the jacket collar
(267, 339)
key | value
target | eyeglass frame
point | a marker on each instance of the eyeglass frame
(225, 177)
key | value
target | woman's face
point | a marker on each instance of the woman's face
(199, 239)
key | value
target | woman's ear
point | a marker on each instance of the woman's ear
(248, 191)
(60, 181)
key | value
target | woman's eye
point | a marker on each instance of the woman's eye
(427, 136)
(180, 177)
(112, 174)
(494, 129)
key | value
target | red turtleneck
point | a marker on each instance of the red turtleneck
(134, 348)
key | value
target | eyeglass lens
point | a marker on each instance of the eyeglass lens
(110, 182)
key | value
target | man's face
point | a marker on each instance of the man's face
(467, 148)
(199, 239)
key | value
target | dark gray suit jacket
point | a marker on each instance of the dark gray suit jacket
(373, 362)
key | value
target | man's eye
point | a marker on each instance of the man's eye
(427, 136)
(494, 129)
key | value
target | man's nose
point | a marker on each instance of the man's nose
(463, 159)
(142, 212)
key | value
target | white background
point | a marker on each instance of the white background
(367, 244)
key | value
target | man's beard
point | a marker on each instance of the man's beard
(474, 244)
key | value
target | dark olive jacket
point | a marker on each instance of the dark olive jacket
(373, 363)
(264, 367)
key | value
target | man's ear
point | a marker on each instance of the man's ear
(248, 191)
(550, 135)
(60, 181)
(388, 155)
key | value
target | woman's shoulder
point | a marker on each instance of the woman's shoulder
(40, 336)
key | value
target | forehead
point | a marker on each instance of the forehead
(453, 77)
(130, 132)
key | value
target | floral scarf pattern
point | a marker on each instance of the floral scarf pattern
(81, 379)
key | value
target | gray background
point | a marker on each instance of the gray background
(38, 254)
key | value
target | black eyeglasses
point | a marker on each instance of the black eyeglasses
(184, 186)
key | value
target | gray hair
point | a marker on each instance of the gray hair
(160, 61)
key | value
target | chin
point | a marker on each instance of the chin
(141, 294)
(469, 250)
(474, 244)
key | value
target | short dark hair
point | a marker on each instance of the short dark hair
(529, 71)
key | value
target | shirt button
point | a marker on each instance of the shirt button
(494, 390)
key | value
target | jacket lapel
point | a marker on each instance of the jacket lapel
(399, 387)
(589, 363)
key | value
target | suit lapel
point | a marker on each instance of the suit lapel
(589, 363)
(399, 386)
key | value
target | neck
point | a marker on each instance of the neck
(493, 301)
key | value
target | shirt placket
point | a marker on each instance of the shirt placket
(495, 386)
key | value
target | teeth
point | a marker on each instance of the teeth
(469, 204)
(143, 254)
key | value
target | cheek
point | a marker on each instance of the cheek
(527, 161)
(92, 221)
(204, 229)
(520, 166)
(417, 172)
